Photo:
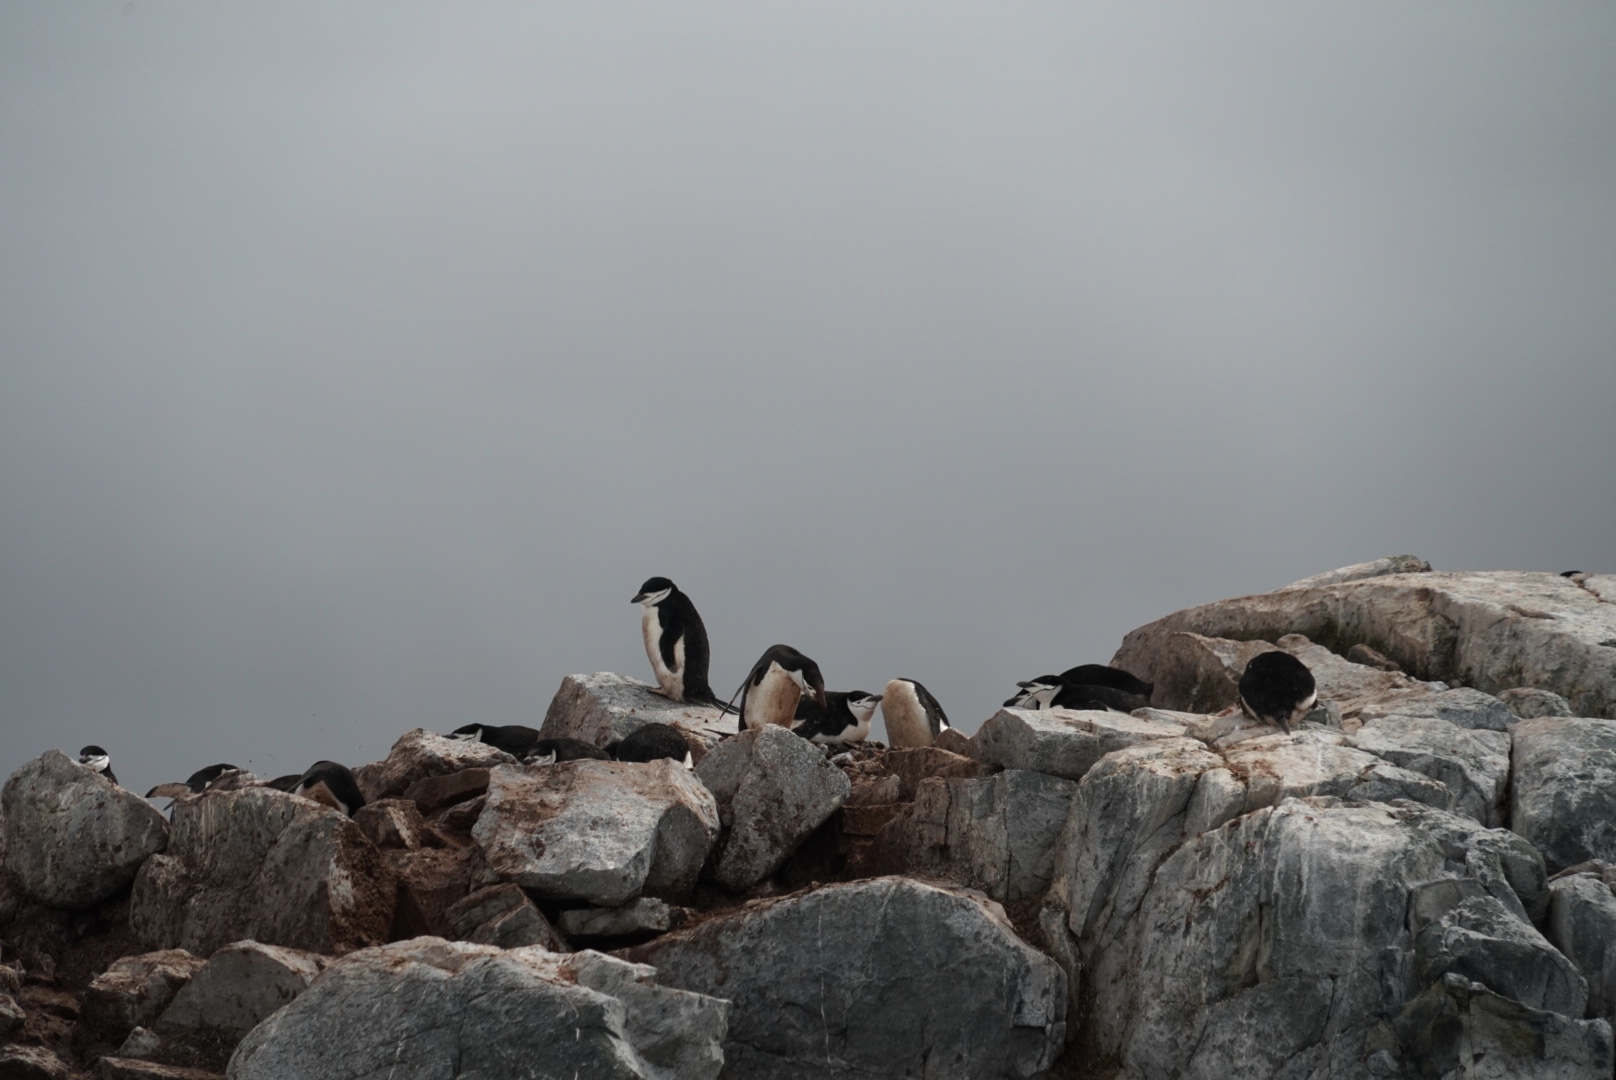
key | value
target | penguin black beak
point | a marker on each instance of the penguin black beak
(639, 598)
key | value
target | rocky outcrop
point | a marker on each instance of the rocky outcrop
(997, 833)
(420, 754)
(134, 991)
(1490, 631)
(502, 915)
(429, 1007)
(1473, 764)
(1461, 1029)
(69, 836)
(603, 832)
(1582, 925)
(240, 987)
(1563, 788)
(264, 865)
(888, 977)
(773, 789)
(603, 707)
(1061, 742)
(647, 915)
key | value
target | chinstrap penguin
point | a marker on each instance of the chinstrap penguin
(514, 739)
(1276, 688)
(195, 784)
(843, 719)
(652, 742)
(287, 783)
(97, 760)
(332, 784)
(913, 716)
(675, 642)
(781, 677)
(553, 751)
(1055, 692)
(1106, 675)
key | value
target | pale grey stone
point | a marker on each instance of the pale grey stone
(1321, 762)
(70, 837)
(140, 1044)
(645, 915)
(1460, 706)
(878, 978)
(429, 1009)
(259, 864)
(1530, 702)
(1480, 938)
(1219, 797)
(599, 831)
(501, 915)
(419, 754)
(134, 991)
(603, 707)
(998, 833)
(1062, 742)
(241, 986)
(1472, 763)
(12, 1016)
(1391, 564)
(1461, 1030)
(773, 789)
(1563, 788)
(1582, 925)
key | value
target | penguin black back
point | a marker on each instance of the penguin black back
(767, 691)
(514, 739)
(651, 743)
(1276, 688)
(1097, 696)
(332, 784)
(551, 751)
(1105, 675)
(676, 642)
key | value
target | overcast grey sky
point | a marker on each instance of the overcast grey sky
(358, 362)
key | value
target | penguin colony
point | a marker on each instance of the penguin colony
(783, 688)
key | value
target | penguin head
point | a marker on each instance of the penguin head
(468, 733)
(1036, 693)
(862, 705)
(653, 592)
(809, 680)
(95, 758)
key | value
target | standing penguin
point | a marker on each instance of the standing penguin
(843, 719)
(913, 716)
(780, 678)
(1276, 688)
(97, 760)
(675, 642)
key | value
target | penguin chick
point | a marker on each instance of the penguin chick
(1105, 675)
(843, 719)
(514, 739)
(775, 684)
(1276, 688)
(913, 716)
(332, 784)
(652, 742)
(194, 784)
(675, 642)
(97, 760)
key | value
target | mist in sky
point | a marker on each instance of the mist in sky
(358, 362)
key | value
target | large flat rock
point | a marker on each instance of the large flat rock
(879, 978)
(428, 1008)
(1062, 742)
(261, 864)
(240, 987)
(605, 706)
(69, 836)
(1489, 630)
(599, 831)
(1472, 763)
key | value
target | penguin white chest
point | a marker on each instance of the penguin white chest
(774, 700)
(671, 680)
(905, 716)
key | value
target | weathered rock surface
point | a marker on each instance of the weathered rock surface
(1278, 943)
(1061, 742)
(1461, 1029)
(1582, 925)
(599, 831)
(1472, 763)
(431, 1008)
(1391, 564)
(1529, 703)
(240, 987)
(12, 1015)
(134, 991)
(910, 767)
(1323, 762)
(605, 706)
(888, 977)
(502, 915)
(430, 881)
(263, 865)
(773, 788)
(393, 823)
(1563, 788)
(1492, 631)
(31, 1063)
(69, 836)
(122, 1068)
(645, 915)
(419, 754)
(997, 833)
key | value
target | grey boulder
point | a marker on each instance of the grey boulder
(642, 916)
(420, 754)
(501, 915)
(134, 991)
(428, 1009)
(1472, 763)
(998, 833)
(887, 977)
(599, 831)
(241, 986)
(1582, 925)
(605, 706)
(69, 836)
(1463, 1030)
(1061, 742)
(773, 789)
(1530, 702)
(1563, 788)
(263, 865)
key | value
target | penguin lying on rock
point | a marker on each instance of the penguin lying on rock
(1056, 692)
(514, 739)
(843, 719)
(195, 784)
(652, 742)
